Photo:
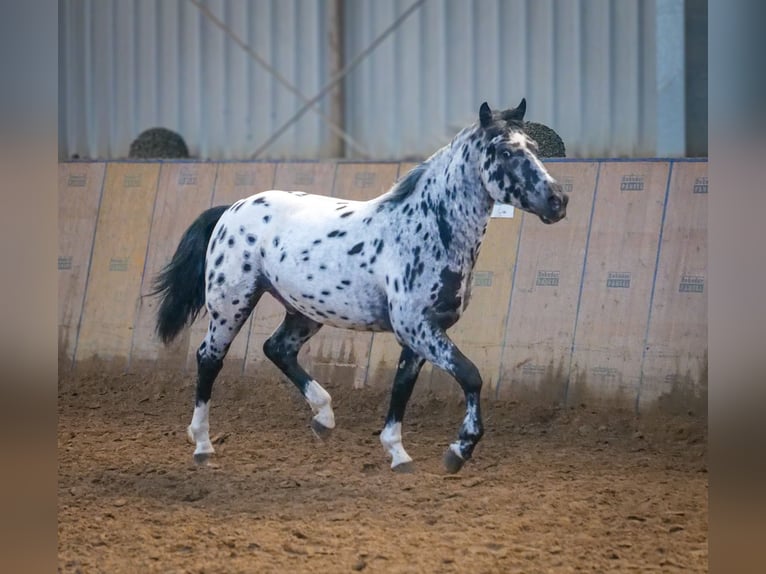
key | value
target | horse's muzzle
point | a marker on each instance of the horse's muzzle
(556, 204)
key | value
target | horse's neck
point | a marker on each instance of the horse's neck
(457, 193)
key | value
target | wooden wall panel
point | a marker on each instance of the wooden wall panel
(79, 194)
(626, 328)
(674, 370)
(185, 191)
(540, 327)
(311, 177)
(122, 234)
(619, 274)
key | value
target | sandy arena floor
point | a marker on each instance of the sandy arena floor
(548, 490)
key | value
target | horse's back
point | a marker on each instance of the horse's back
(318, 254)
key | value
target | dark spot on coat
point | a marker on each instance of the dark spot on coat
(445, 229)
(448, 301)
(356, 248)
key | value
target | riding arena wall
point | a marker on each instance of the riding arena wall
(607, 307)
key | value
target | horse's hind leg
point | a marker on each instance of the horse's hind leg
(410, 364)
(227, 315)
(282, 349)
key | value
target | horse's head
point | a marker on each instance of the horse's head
(510, 170)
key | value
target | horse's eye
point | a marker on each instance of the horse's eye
(506, 154)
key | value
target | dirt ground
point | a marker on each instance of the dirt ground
(549, 489)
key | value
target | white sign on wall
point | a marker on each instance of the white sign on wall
(502, 210)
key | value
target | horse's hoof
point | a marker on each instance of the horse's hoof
(452, 462)
(202, 458)
(322, 432)
(404, 467)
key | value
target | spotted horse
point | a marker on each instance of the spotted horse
(401, 262)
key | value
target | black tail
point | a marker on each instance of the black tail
(181, 283)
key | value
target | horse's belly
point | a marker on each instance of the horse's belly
(334, 303)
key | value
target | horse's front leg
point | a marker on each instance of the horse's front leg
(472, 429)
(410, 364)
(435, 346)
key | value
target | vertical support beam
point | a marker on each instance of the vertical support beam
(696, 26)
(671, 102)
(336, 145)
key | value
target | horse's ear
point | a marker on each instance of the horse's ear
(517, 113)
(521, 109)
(485, 115)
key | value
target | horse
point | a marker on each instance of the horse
(401, 262)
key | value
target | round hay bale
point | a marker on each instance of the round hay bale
(158, 143)
(548, 141)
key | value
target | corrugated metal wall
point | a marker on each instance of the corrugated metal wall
(129, 65)
(586, 67)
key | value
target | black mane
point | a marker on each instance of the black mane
(406, 185)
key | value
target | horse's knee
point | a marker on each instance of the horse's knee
(272, 349)
(467, 374)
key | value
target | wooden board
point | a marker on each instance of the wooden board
(540, 327)
(619, 273)
(233, 182)
(364, 181)
(122, 234)
(311, 177)
(185, 191)
(79, 194)
(674, 374)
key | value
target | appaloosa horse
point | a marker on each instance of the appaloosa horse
(401, 262)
